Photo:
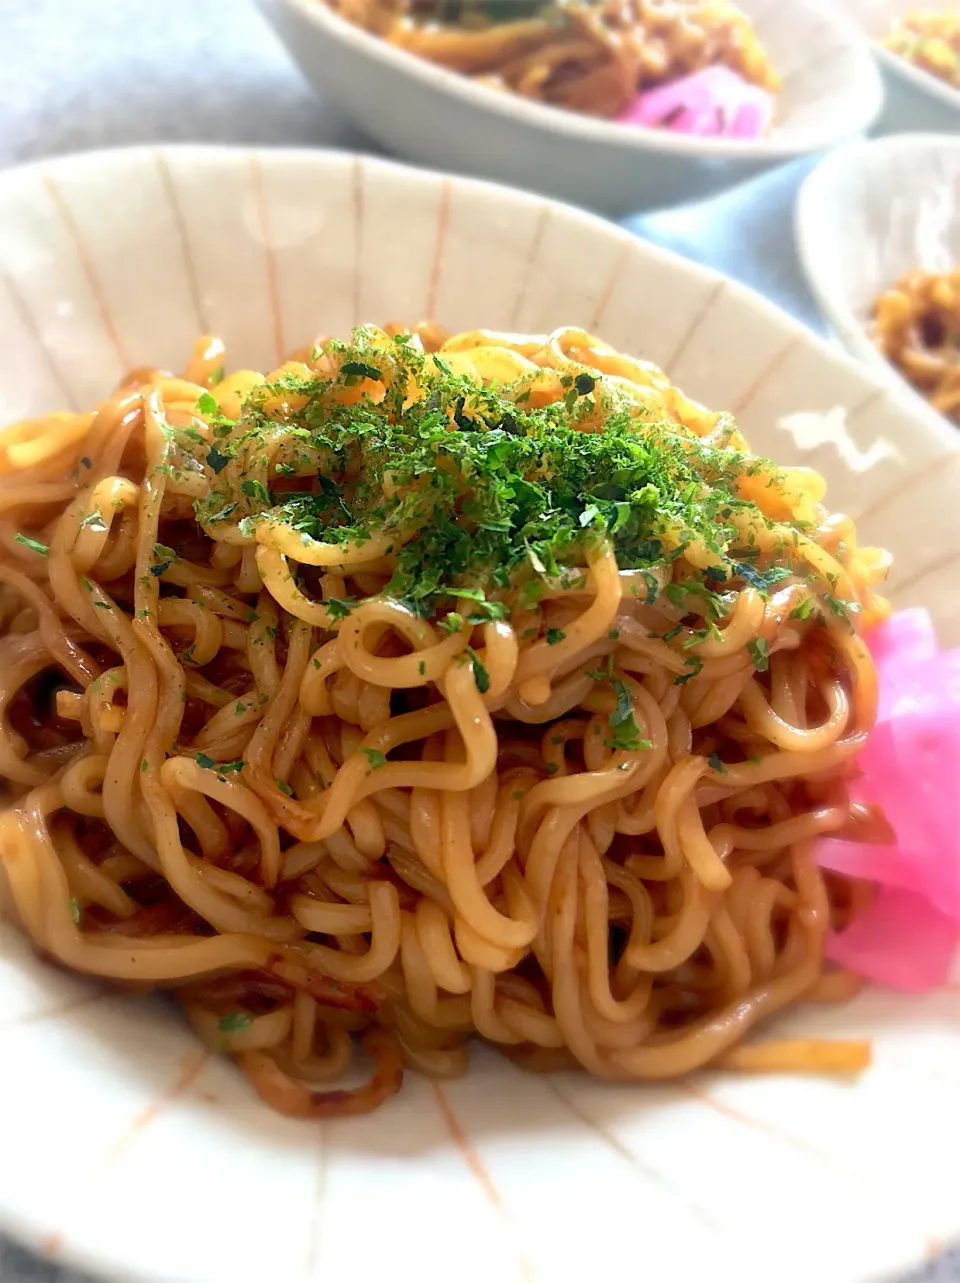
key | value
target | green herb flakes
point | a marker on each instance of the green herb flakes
(216, 459)
(626, 732)
(41, 549)
(480, 674)
(234, 1022)
(759, 652)
(339, 607)
(163, 559)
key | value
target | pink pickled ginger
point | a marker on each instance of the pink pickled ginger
(713, 103)
(911, 769)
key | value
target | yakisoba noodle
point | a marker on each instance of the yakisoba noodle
(585, 56)
(930, 39)
(917, 328)
(410, 696)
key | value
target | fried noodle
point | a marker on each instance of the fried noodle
(393, 698)
(588, 57)
(916, 326)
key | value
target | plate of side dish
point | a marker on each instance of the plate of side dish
(614, 107)
(918, 47)
(464, 807)
(878, 234)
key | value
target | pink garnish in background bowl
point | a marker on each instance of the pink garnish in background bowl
(713, 103)
(908, 937)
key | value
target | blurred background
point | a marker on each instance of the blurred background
(94, 73)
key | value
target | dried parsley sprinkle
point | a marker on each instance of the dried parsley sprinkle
(803, 610)
(497, 494)
(842, 609)
(255, 490)
(626, 732)
(375, 758)
(480, 674)
(452, 622)
(94, 521)
(216, 459)
(234, 1022)
(360, 370)
(555, 636)
(713, 761)
(760, 654)
(694, 665)
(163, 558)
(763, 580)
(41, 549)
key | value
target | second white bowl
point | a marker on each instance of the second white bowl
(865, 216)
(915, 100)
(831, 92)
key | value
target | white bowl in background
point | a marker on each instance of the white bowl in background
(915, 100)
(866, 215)
(425, 113)
(128, 1150)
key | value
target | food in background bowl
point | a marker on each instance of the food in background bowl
(696, 66)
(432, 687)
(930, 40)
(917, 328)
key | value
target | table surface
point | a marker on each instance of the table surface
(94, 73)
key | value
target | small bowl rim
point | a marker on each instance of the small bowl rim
(925, 81)
(589, 129)
(831, 300)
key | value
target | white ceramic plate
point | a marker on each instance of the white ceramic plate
(914, 99)
(866, 215)
(127, 1149)
(831, 92)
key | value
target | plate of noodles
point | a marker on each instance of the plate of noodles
(455, 788)
(878, 234)
(615, 106)
(918, 45)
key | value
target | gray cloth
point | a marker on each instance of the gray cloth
(97, 73)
